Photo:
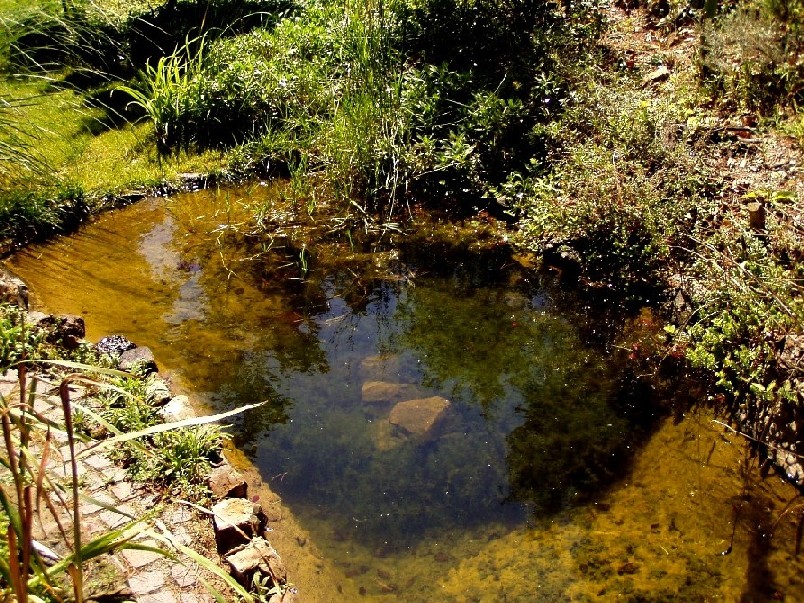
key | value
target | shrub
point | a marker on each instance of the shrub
(618, 185)
(750, 58)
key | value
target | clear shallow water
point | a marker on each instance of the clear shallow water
(525, 479)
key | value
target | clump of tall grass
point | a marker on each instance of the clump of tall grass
(386, 97)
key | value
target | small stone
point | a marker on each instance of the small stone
(184, 576)
(257, 555)
(236, 520)
(226, 482)
(419, 417)
(114, 344)
(140, 357)
(139, 558)
(146, 582)
(157, 392)
(178, 409)
(380, 368)
(378, 393)
(13, 290)
(160, 597)
(660, 74)
(98, 461)
(628, 568)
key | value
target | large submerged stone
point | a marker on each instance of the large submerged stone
(381, 367)
(420, 417)
(382, 393)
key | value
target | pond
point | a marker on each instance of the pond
(439, 423)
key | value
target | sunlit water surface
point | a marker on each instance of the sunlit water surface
(527, 474)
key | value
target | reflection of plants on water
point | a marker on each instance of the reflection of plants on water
(577, 427)
(571, 443)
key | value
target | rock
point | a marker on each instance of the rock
(140, 357)
(419, 417)
(157, 392)
(659, 74)
(226, 482)
(236, 521)
(13, 290)
(257, 556)
(381, 393)
(565, 260)
(67, 330)
(380, 367)
(178, 409)
(114, 344)
(792, 353)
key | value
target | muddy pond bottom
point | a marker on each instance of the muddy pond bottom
(437, 424)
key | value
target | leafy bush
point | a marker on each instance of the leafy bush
(31, 215)
(749, 300)
(618, 185)
(423, 98)
(751, 57)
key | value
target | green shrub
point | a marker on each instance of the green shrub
(748, 299)
(31, 215)
(750, 58)
(618, 185)
(180, 459)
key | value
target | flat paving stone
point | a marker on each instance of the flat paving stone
(184, 576)
(146, 582)
(160, 597)
(138, 558)
(98, 461)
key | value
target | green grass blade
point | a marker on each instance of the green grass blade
(163, 427)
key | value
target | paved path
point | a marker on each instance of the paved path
(144, 576)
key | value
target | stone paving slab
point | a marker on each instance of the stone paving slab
(150, 577)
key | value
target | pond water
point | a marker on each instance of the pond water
(439, 426)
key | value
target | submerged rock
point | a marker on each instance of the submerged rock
(380, 393)
(381, 367)
(419, 417)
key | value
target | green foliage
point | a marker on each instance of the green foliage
(617, 186)
(171, 97)
(15, 342)
(31, 215)
(23, 341)
(178, 459)
(183, 460)
(750, 58)
(749, 299)
(425, 98)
